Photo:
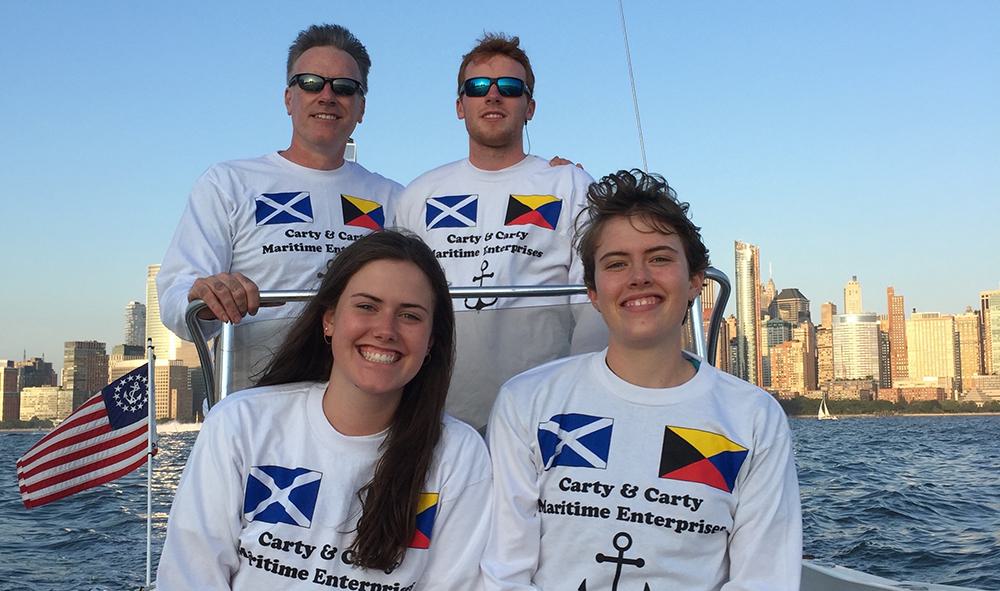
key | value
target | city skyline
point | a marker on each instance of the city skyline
(809, 131)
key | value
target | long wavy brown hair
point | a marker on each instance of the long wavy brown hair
(389, 499)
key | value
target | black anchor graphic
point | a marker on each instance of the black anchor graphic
(480, 302)
(622, 542)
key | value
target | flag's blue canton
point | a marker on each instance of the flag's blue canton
(575, 440)
(281, 495)
(126, 398)
(452, 211)
(284, 208)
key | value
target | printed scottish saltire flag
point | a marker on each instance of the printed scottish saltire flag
(104, 439)
(276, 494)
(573, 439)
(427, 506)
(284, 208)
(452, 211)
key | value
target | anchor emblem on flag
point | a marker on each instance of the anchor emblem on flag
(622, 542)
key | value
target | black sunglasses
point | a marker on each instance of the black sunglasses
(506, 86)
(315, 83)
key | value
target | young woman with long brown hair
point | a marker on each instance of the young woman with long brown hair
(340, 468)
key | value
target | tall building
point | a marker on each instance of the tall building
(827, 311)
(775, 332)
(805, 333)
(824, 357)
(748, 345)
(35, 372)
(970, 351)
(791, 369)
(135, 324)
(930, 340)
(767, 293)
(791, 306)
(10, 401)
(989, 311)
(898, 357)
(166, 345)
(855, 347)
(85, 369)
(852, 297)
(884, 357)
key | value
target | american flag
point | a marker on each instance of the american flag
(102, 440)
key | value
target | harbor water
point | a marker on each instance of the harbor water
(907, 498)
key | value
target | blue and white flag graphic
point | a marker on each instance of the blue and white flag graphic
(284, 208)
(281, 495)
(575, 440)
(452, 211)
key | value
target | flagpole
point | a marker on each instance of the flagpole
(150, 436)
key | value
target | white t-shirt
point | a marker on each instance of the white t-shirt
(272, 220)
(692, 487)
(268, 500)
(499, 228)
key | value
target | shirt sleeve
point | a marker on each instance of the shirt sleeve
(201, 549)
(765, 547)
(462, 526)
(202, 245)
(512, 553)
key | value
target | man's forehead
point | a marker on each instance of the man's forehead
(495, 62)
(327, 61)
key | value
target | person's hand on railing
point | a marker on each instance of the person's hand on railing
(229, 296)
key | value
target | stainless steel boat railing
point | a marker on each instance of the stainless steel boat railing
(218, 376)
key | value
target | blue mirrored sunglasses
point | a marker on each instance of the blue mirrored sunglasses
(506, 86)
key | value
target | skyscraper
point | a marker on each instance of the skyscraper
(826, 313)
(855, 347)
(85, 369)
(852, 297)
(767, 293)
(135, 324)
(989, 311)
(748, 355)
(791, 306)
(931, 345)
(824, 357)
(970, 352)
(898, 360)
(10, 401)
(166, 345)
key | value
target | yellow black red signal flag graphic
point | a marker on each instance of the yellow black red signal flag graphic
(363, 213)
(700, 456)
(533, 210)
(427, 506)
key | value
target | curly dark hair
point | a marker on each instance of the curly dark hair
(635, 193)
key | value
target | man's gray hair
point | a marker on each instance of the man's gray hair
(330, 36)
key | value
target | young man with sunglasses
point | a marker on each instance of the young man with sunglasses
(275, 221)
(641, 466)
(499, 217)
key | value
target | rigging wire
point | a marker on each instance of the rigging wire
(635, 97)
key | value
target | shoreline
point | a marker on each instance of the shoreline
(870, 415)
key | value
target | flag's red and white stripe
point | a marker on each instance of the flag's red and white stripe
(82, 452)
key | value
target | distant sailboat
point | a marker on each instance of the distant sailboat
(824, 412)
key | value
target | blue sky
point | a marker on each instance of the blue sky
(843, 138)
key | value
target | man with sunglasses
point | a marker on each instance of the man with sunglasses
(497, 218)
(275, 221)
